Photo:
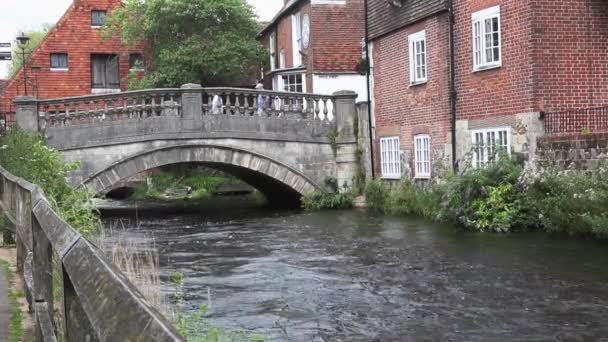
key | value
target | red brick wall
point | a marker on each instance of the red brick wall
(504, 90)
(336, 35)
(72, 34)
(406, 110)
(571, 48)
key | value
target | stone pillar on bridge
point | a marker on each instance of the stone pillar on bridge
(27, 113)
(192, 101)
(346, 141)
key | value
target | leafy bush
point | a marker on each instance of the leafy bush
(376, 193)
(573, 202)
(484, 199)
(26, 155)
(323, 200)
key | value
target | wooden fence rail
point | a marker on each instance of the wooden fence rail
(98, 301)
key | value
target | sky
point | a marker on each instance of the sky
(21, 15)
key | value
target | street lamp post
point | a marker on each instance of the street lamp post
(23, 41)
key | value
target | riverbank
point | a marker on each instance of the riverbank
(501, 197)
(183, 182)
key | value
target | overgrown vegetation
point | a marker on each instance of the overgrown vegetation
(332, 198)
(211, 42)
(182, 182)
(505, 197)
(15, 328)
(27, 156)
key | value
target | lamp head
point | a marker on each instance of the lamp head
(23, 39)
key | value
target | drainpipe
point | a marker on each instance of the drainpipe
(369, 95)
(453, 94)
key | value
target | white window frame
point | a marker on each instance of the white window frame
(481, 36)
(481, 153)
(273, 50)
(390, 157)
(418, 47)
(422, 156)
(296, 38)
(284, 85)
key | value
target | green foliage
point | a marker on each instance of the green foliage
(332, 199)
(15, 328)
(324, 200)
(503, 198)
(485, 199)
(376, 193)
(201, 183)
(36, 38)
(333, 140)
(572, 202)
(211, 42)
(27, 156)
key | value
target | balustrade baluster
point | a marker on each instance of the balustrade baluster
(238, 108)
(325, 110)
(228, 105)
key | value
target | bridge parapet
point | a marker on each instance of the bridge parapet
(98, 301)
(178, 102)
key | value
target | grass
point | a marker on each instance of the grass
(15, 329)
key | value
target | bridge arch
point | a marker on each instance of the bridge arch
(277, 181)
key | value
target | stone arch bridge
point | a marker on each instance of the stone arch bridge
(284, 144)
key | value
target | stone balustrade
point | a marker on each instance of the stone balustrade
(140, 105)
(98, 303)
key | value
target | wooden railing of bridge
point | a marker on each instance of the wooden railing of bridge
(98, 302)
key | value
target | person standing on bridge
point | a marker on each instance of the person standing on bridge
(217, 105)
(261, 99)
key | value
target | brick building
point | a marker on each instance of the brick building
(316, 46)
(74, 60)
(516, 62)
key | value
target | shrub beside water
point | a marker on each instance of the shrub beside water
(503, 197)
(27, 156)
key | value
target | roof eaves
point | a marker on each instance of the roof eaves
(291, 4)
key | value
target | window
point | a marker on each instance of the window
(98, 18)
(105, 72)
(273, 51)
(136, 61)
(282, 59)
(422, 158)
(296, 38)
(59, 61)
(293, 83)
(486, 39)
(390, 160)
(487, 143)
(417, 49)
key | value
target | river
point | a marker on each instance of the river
(351, 276)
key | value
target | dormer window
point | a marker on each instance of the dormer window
(98, 18)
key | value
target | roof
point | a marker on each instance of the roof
(385, 18)
(286, 9)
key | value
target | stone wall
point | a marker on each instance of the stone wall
(580, 151)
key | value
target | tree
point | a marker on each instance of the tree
(36, 38)
(211, 42)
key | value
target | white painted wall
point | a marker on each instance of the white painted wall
(327, 84)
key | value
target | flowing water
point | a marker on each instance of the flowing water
(349, 276)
